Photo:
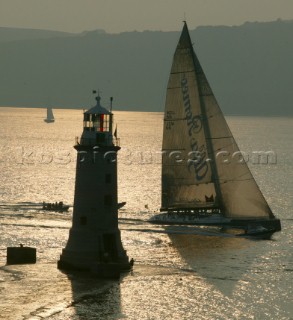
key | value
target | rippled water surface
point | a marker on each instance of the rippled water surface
(179, 272)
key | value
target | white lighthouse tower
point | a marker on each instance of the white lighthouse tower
(94, 242)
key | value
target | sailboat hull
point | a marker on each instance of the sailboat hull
(270, 224)
(179, 218)
(166, 218)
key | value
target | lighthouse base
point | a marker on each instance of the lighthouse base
(100, 270)
(100, 254)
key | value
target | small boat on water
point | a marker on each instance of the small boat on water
(205, 179)
(56, 207)
(50, 116)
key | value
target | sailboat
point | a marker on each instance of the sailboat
(50, 117)
(202, 183)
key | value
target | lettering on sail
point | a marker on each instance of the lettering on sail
(169, 119)
(194, 123)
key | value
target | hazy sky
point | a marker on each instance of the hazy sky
(116, 16)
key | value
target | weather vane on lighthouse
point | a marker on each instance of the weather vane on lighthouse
(94, 242)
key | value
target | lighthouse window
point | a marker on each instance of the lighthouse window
(106, 123)
(108, 200)
(108, 178)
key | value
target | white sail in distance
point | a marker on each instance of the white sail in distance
(50, 116)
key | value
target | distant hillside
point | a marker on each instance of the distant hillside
(16, 34)
(249, 67)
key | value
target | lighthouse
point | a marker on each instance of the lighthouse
(94, 242)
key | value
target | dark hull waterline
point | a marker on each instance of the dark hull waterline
(273, 225)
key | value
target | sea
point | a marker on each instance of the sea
(180, 272)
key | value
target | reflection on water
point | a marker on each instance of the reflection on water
(216, 259)
(92, 298)
(179, 273)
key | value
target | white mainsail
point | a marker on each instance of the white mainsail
(195, 133)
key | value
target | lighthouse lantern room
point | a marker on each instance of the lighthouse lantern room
(94, 242)
(97, 125)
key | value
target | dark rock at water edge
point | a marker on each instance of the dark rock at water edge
(21, 255)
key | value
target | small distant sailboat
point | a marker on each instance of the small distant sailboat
(50, 117)
(197, 187)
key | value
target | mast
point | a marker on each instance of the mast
(185, 43)
(211, 152)
(185, 185)
(210, 149)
